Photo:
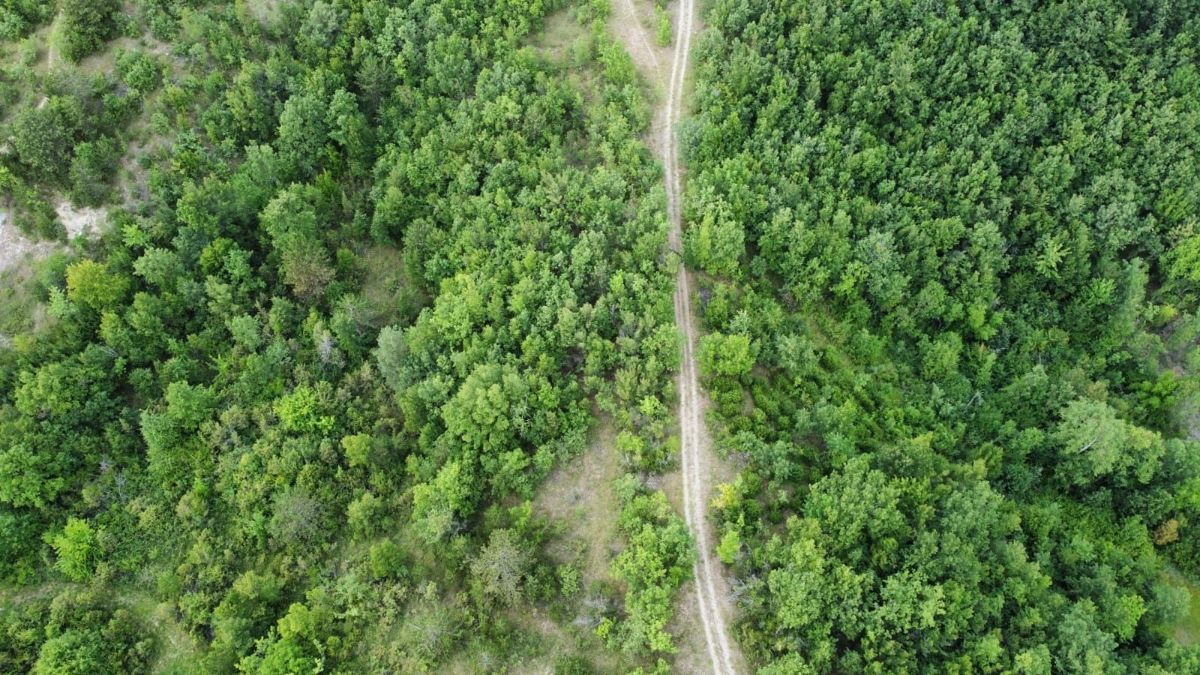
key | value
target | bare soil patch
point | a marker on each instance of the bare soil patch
(80, 220)
(17, 250)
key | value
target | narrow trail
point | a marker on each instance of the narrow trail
(647, 50)
(698, 463)
(712, 592)
(49, 66)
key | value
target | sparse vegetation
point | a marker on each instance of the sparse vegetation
(663, 30)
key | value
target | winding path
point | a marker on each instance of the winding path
(712, 593)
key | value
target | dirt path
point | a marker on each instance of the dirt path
(49, 66)
(711, 588)
(644, 53)
(698, 461)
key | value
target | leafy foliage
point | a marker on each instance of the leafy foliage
(657, 561)
(379, 266)
(86, 24)
(79, 631)
(951, 241)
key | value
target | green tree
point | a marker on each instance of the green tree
(246, 612)
(76, 549)
(1082, 646)
(1093, 443)
(391, 354)
(279, 657)
(357, 449)
(655, 563)
(498, 572)
(438, 504)
(662, 22)
(716, 243)
(729, 547)
(363, 514)
(72, 653)
(92, 284)
(92, 167)
(58, 434)
(298, 519)
(483, 414)
(291, 222)
(726, 355)
(18, 17)
(44, 136)
(27, 479)
(85, 25)
(386, 560)
(305, 411)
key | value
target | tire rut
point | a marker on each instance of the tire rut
(696, 451)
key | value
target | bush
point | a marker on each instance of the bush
(45, 135)
(19, 17)
(76, 549)
(92, 170)
(139, 71)
(86, 24)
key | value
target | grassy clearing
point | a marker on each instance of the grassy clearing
(1186, 631)
(578, 498)
(21, 310)
(264, 11)
(388, 294)
(562, 34)
(177, 652)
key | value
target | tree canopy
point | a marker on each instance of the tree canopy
(368, 363)
(950, 241)
(372, 270)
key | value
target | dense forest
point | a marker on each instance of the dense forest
(372, 270)
(951, 268)
(368, 362)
